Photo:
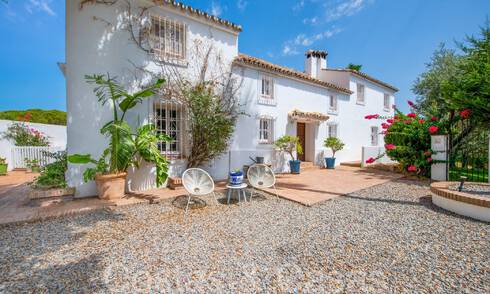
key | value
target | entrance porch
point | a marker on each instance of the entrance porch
(307, 130)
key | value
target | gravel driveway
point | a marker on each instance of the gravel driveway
(388, 238)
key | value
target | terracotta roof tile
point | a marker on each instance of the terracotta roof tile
(365, 76)
(257, 62)
(199, 13)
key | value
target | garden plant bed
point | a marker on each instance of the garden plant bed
(387, 238)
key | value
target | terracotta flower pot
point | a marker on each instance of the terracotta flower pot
(111, 186)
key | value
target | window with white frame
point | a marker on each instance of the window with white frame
(332, 103)
(266, 130)
(168, 38)
(267, 87)
(360, 93)
(386, 102)
(332, 131)
(168, 118)
(374, 136)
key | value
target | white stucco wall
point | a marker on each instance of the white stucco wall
(289, 94)
(94, 47)
(56, 134)
(353, 129)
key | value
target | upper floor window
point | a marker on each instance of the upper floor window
(360, 94)
(266, 130)
(374, 136)
(332, 103)
(332, 131)
(168, 38)
(386, 102)
(267, 88)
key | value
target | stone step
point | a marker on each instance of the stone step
(307, 165)
(175, 183)
(351, 163)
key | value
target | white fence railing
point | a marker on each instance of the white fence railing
(20, 154)
(374, 152)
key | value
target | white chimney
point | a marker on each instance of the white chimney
(315, 61)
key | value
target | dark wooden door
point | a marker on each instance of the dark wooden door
(301, 133)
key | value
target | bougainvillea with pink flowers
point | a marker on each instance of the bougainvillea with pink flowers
(407, 141)
(23, 135)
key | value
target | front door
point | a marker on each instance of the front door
(301, 133)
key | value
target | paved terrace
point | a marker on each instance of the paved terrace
(315, 185)
(311, 187)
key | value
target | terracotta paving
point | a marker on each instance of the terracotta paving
(15, 178)
(312, 186)
(16, 207)
(315, 185)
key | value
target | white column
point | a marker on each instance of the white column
(439, 171)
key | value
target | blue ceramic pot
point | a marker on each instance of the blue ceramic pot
(236, 178)
(295, 166)
(330, 162)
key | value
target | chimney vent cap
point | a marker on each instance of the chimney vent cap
(316, 53)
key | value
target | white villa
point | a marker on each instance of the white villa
(312, 105)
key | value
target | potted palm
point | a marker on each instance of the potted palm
(290, 144)
(126, 147)
(3, 166)
(335, 145)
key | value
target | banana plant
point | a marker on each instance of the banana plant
(126, 148)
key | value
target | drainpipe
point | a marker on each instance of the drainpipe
(229, 161)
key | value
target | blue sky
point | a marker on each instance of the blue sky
(391, 39)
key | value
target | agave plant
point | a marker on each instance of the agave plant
(126, 148)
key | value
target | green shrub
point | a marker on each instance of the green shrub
(53, 174)
(53, 117)
(212, 121)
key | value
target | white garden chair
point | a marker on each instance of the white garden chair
(260, 176)
(197, 182)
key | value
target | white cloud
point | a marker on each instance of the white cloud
(241, 4)
(299, 5)
(344, 8)
(312, 21)
(291, 47)
(287, 50)
(39, 5)
(216, 9)
(329, 33)
(304, 40)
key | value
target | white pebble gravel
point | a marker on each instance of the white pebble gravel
(388, 238)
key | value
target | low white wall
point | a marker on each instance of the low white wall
(374, 152)
(461, 208)
(55, 133)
